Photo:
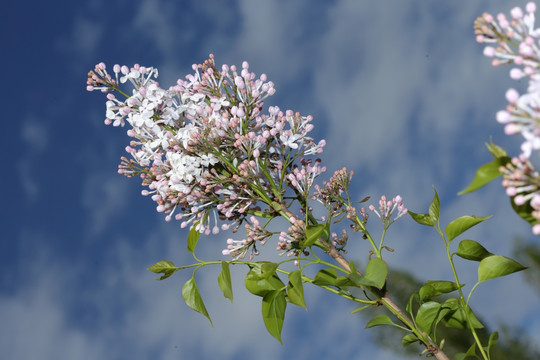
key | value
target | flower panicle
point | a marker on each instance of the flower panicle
(205, 150)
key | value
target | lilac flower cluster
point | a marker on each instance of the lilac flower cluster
(204, 148)
(387, 209)
(515, 41)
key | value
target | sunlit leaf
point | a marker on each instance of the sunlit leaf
(192, 239)
(262, 279)
(462, 224)
(435, 288)
(471, 250)
(485, 174)
(435, 207)
(422, 219)
(224, 281)
(376, 272)
(325, 277)
(495, 266)
(426, 315)
(380, 320)
(295, 289)
(314, 232)
(192, 297)
(164, 267)
(274, 305)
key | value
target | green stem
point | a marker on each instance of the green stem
(462, 297)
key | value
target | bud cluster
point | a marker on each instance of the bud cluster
(204, 148)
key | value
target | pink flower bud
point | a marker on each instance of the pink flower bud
(512, 96)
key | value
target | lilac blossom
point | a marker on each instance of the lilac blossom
(206, 151)
(515, 41)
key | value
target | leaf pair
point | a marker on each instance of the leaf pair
(491, 266)
(263, 281)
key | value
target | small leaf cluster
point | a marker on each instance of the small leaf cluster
(433, 305)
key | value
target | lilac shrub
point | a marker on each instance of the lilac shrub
(211, 156)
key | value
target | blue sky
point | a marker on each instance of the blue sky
(399, 89)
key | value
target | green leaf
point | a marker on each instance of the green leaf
(274, 305)
(352, 267)
(422, 219)
(262, 279)
(409, 339)
(192, 297)
(325, 277)
(496, 151)
(435, 207)
(361, 308)
(295, 289)
(380, 320)
(164, 267)
(344, 281)
(462, 224)
(524, 211)
(471, 250)
(314, 232)
(224, 281)
(457, 318)
(485, 174)
(192, 239)
(471, 352)
(495, 266)
(376, 272)
(493, 339)
(435, 288)
(426, 316)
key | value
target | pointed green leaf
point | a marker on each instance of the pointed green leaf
(457, 318)
(295, 289)
(435, 207)
(375, 276)
(471, 353)
(471, 250)
(380, 320)
(274, 305)
(485, 174)
(376, 272)
(343, 282)
(427, 313)
(422, 219)
(496, 151)
(314, 232)
(360, 308)
(192, 297)
(462, 224)
(409, 339)
(495, 266)
(325, 277)
(524, 211)
(435, 288)
(164, 267)
(262, 279)
(192, 239)
(224, 281)
(352, 267)
(493, 339)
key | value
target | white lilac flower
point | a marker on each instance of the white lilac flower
(206, 150)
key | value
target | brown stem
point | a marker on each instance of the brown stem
(432, 347)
